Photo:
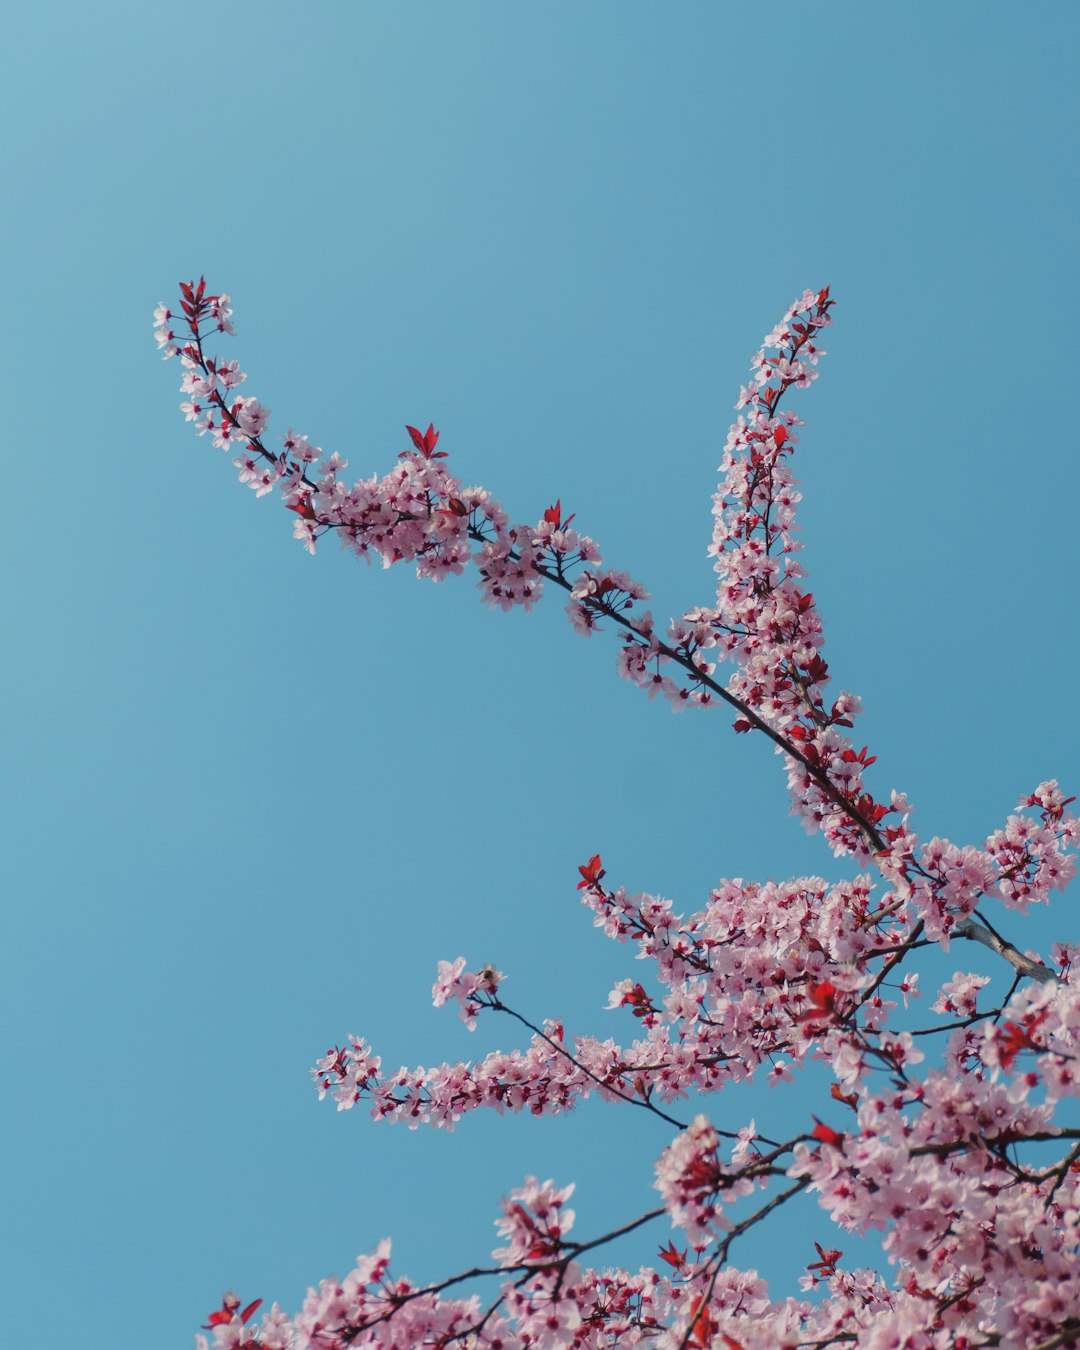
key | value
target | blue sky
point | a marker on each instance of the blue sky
(255, 797)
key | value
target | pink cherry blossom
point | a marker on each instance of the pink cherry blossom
(954, 1143)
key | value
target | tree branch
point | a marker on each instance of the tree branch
(1023, 965)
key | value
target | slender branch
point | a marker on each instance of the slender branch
(557, 578)
(1062, 1171)
(980, 1141)
(967, 928)
(1069, 1335)
(744, 709)
(954, 1026)
(901, 947)
(527, 1269)
(887, 969)
(499, 1006)
(725, 1246)
(1005, 1001)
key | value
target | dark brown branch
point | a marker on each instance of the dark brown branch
(608, 1087)
(526, 1269)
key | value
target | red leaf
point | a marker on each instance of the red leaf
(837, 1093)
(553, 516)
(1019, 1038)
(703, 1325)
(829, 1258)
(425, 441)
(817, 669)
(228, 1310)
(225, 1314)
(249, 1310)
(825, 1134)
(673, 1256)
(591, 872)
(823, 997)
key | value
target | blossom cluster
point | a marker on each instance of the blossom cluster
(419, 513)
(967, 1165)
(986, 1239)
(761, 979)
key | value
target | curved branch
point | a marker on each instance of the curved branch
(1023, 965)
(525, 1268)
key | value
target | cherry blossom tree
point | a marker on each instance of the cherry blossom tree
(960, 1159)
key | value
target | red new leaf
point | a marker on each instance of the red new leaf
(553, 516)
(825, 1134)
(591, 872)
(672, 1255)
(249, 1310)
(425, 441)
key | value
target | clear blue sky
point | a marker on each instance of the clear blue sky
(254, 797)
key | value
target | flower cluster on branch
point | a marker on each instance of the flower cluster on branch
(966, 1165)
